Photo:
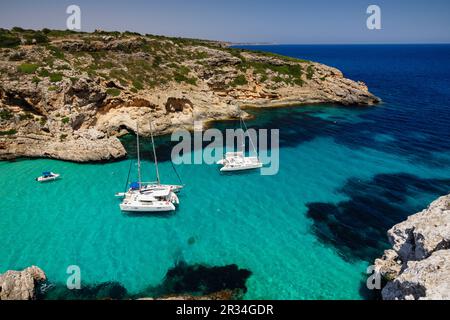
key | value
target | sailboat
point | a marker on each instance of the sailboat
(149, 197)
(237, 161)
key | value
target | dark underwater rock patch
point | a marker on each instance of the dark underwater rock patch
(357, 227)
(200, 280)
(182, 280)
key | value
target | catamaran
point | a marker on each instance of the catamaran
(48, 176)
(149, 196)
(237, 161)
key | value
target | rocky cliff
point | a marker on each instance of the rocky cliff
(70, 95)
(20, 285)
(418, 265)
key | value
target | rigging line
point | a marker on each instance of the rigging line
(243, 133)
(128, 177)
(249, 137)
(154, 154)
(176, 172)
(138, 155)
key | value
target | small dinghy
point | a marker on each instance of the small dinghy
(47, 176)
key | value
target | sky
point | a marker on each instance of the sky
(246, 21)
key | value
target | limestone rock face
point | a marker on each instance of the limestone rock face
(425, 279)
(418, 265)
(423, 233)
(20, 285)
(53, 96)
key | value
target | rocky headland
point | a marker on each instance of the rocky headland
(418, 265)
(70, 95)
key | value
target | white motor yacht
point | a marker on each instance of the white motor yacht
(48, 176)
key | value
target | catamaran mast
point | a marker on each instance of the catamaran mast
(154, 155)
(138, 156)
(243, 133)
(249, 137)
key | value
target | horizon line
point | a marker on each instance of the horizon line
(247, 43)
(333, 43)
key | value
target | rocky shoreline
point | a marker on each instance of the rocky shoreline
(418, 265)
(72, 96)
(182, 282)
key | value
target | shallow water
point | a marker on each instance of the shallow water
(309, 232)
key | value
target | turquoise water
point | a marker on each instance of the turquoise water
(308, 232)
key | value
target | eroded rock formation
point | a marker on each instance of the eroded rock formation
(21, 285)
(418, 265)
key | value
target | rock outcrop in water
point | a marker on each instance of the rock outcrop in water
(69, 95)
(21, 285)
(418, 265)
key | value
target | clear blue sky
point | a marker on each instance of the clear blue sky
(278, 21)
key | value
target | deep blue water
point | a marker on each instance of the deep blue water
(347, 174)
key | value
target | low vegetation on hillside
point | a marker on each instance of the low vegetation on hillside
(137, 62)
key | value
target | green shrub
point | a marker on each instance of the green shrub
(310, 72)
(35, 37)
(43, 73)
(114, 92)
(26, 116)
(157, 61)
(27, 68)
(240, 80)
(36, 80)
(55, 77)
(56, 52)
(8, 132)
(200, 55)
(138, 85)
(5, 114)
(263, 78)
(63, 137)
(65, 120)
(8, 40)
(17, 29)
(277, 79)
(299, 82)
(182, 78)
(52, 88)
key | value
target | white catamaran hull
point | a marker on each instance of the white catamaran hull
(150, 202)
(241, 168)
(236, 161)
(154, 207)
